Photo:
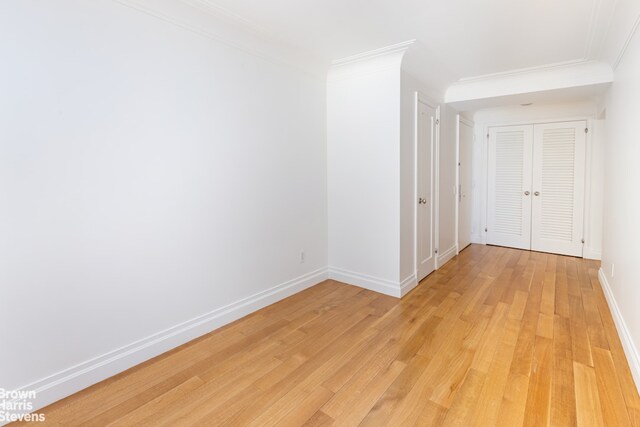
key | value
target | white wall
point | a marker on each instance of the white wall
(447, 185)
(371, 172)
(620, 259)
(363, 146)
(149, 175)
(536, 114)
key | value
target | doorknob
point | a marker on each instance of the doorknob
(526, 193)
(537, 193)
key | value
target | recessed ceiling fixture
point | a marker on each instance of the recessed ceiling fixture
(527, 104)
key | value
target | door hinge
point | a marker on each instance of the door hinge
(436, 251)
(437, 121)
(487, 136)
(583, 241)
(586, 130)
(486, 229)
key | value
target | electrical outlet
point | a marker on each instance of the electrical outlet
(302, 257)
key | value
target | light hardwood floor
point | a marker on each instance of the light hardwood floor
(496, 337)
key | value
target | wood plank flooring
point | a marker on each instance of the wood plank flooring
(496, 337)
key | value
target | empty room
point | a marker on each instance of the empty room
(319, 213)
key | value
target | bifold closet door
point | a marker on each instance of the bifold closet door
(509, 202)
(558, 188)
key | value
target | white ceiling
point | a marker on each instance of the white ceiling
(466, 37)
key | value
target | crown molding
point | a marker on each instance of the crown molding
(223, 14)
(627, 42)
(591, 33)
(594, 21)
(552, 77)
(528, 70)
(203, 19)
(622, 25)
(388, 58)
(398, 47)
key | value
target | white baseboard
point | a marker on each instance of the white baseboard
(408, 284)
(444, 257)
(76, 378)
(630, 349)
(375, 284)
(590, 253)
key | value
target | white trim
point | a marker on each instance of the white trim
(367, 64)
(220, 12)
(398, 47)
(484, 179)
(467, 122)
(627, 42)
(591, 34)
(446, 256)
(140, 6)
(630, 350)
(527, 81)
(376, 284)
(457, 192)
(588, 184)
(416, 101)
(408, 284)
(518, 71)
(270, 48)
(83, 375)
(436, 187)
(536, 122)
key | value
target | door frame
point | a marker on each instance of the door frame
(420, 97)
(460, 119)
(483, 174)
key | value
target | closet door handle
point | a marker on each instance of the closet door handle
(537, 193)
(526, 193)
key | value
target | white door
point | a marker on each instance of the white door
(509, 186)
(425, 141)
(558, 188)
(465, 142)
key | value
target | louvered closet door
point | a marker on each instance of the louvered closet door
(509, 206)
(558, 188)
